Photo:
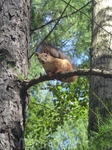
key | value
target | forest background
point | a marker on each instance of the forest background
(57, 116)
(58, 112)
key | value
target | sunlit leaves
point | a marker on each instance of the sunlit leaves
(46, 116)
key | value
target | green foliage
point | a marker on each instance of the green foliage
(35, 68)
(58, 112)
(72, 135)
(36, 132)
(71, 99)
(103, 138)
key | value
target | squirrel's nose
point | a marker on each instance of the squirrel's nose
(42, 61)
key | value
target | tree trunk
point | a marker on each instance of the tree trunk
(14, 42)
(101, 58)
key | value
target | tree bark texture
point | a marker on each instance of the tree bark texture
(101, 58)
(14, 45)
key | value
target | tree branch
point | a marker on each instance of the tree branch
(53, 20)
(88, 18)
(81, 72)
(52, 28)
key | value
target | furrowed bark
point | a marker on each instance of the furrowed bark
(14, 45)
(101, 58)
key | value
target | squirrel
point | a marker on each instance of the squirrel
(54, 65)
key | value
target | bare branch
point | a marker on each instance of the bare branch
(88, 18)
(81, 72)
(52, 28)
(53, 20)
(57, 21)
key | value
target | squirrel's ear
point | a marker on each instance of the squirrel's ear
(36, 53)
(46, 51)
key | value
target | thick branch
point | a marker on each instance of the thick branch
(81, 72)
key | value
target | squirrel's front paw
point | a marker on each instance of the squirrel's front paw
(49, 74)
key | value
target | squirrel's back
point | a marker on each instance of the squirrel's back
(53, 51)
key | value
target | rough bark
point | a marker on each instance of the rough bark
(101, 58)
(14, 41)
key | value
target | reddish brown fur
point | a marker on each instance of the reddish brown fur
(54, 65)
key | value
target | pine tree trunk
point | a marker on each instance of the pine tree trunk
(14, 42)
(101, 58)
